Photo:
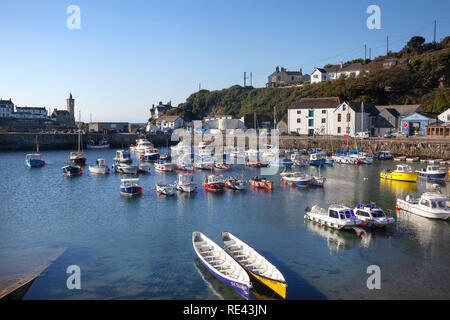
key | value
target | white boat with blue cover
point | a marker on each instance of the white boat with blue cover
(34, 160)
(130, 187)
(371, 216)
(337, 216)
(221, 264)
(297, 179)
(72, 170)
(166, 189)
(432, 172)
(150, 154)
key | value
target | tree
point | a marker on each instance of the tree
(415, 43)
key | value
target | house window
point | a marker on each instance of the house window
(299, 111)
(343, 107)
(339, 117)
(311, 122)
(292, 78)
(316, 76)
(323, 120)
(311, 113)
(348, 117)
(324, 111)
(348, 129)
(339, 130)
(298, 120)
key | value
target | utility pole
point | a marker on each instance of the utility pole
(387, 45)
(245, 78)
(365, 52)
(370, 53)
(251, 79)
(199, 86)
(434, 31)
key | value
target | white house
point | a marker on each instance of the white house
(333, 72)
(444, 116)
(329, 116)
(166, 122)
(310, 116)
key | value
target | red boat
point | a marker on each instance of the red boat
(256, 164)
(214, 182)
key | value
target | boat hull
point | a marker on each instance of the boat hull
(214, 187)
(77, 161)
(404, 205)
(330, 224)
(187, 187)
(98, 170)
(276, 286)
(150, 157)
(34, 163)
(130, 191)
(432, 176)
(268, 185)
(399, 176)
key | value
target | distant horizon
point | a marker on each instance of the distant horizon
(126, 57)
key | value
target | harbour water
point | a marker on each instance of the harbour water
(141, 248)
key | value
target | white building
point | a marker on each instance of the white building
(6, 108)
(444, 116)
(224, 123)
(333, 72)
(30, 113)
(166, 122)
(310, 116)
(328, 116)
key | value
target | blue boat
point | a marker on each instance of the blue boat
(282, 162)
(432, 172)
(72, 170)
(316, 159)
(34, 160)
(297, 179)
(130, 187)
(221, 264)
(151, 154)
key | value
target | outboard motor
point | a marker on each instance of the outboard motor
(307, 209)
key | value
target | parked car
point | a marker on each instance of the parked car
(389, 134)
(362, 135)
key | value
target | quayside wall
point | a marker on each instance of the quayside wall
(68, 141)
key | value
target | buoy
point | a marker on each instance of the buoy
(396, 207)
(282, 179)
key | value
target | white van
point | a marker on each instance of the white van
(362, 135)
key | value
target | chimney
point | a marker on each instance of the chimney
(169, 103)
(341, 64)
(277, 69)
(301, 71)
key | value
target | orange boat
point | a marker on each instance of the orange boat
(263, 183)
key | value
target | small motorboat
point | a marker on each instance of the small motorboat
(256, 164)
(297, 179)
(186, 183)
(316, 159)
(430, 205)
(345, 159)
(102, 144)
(318, 181)
(258, 267)
(123, 156)
(281, 162)
(150, 154)
(401, 158)
(432, 172)
(214, 182)
(144, 167)
(235, 183)
(34, 160)
(337, 216)
(221, 264)
(371, 216)
(130, 187)
(222, 166)
(142, 145)
(100, 167)
(166, 189)
(72, 170)
(402, 173)
(164, 166)
(124, 168)
(385, 155)
(262, 183)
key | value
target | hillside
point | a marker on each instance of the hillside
(421, 77)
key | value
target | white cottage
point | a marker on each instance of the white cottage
(444, 116)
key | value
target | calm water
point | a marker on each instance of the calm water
(141, 248)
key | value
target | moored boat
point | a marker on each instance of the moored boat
(262, 183)
(221, 264)
(281, 162)
(186, 182)
(257, 266)
(432, 172)
(125, 168)
(385, 155)
(165, 189)
(402, 173)
(164, 166)
(316, 159)
(430, 205)
(34, 160)
(222, 166)
(214, 182)
(144, 167)
(102, 144)
(337, 216)
(130, 187)
(297, 179)
(72, 170)
(371, 216)
(235, 183)
(123, 156)
(150, 154)
(318, 181)
(100, 167)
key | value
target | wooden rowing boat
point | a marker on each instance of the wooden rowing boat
(261, 183)
(255, 264)
(221, 265)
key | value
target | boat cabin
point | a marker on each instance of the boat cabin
(369, 210)
(214, 178)
(185, 178)
(123, 154)
(317, 156)
(403, 168)
(434, 201)
(340, 212)
(33, 156)
(127, 183)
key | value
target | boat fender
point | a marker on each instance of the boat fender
(396, 207)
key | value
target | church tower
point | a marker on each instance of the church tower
(71, 108)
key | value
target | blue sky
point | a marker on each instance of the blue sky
(129, 55)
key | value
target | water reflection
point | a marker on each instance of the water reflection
(337, 241)
(399, 188)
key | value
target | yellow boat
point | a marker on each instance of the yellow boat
(402, 173)
(256, 265)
